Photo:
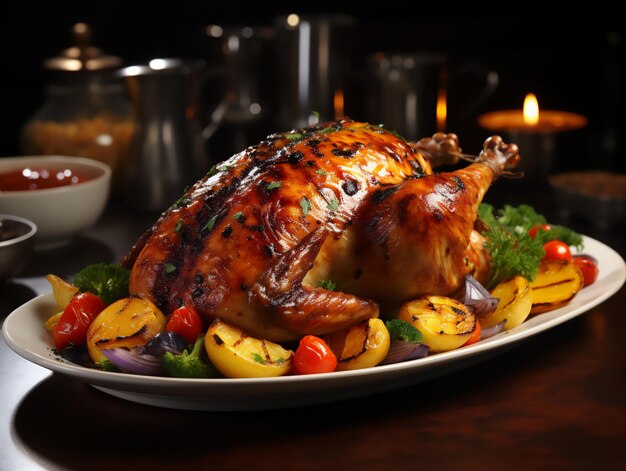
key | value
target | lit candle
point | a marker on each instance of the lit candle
(531, 119)
(442, 109)
(534, 131)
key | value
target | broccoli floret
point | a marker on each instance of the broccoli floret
(107, 280)
(188, 365)
(402, 330)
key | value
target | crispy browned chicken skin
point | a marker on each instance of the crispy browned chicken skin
(343, 201)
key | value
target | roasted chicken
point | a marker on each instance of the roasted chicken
(343, 201)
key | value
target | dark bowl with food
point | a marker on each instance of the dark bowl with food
(596, 196)
(17, 237)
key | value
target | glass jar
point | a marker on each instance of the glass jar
(87, 112)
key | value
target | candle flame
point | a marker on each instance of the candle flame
(442, 110)
(338, 103)
(531, 110)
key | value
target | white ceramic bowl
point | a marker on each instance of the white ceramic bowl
(59, 213)
(16, 244)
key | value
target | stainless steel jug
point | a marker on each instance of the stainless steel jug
(409, 92)
(314, 62)
(167, 149)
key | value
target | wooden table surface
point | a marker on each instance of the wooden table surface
(556, 401)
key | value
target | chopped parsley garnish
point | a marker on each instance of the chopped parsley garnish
(258, 358)
(109, 281)
(274, 185)
(214, 170)
(330, 285)
(169, 267)
(179, 226)
(209, 225)
(402, 330)
(321, 171)
(305, 204)
(513, 251)
(294, 136)
(333, 204)
(239, 217)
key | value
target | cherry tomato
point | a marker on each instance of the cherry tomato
(76, 319)
(533, 230)
(313, 355)
(589, 268)
(186, 322)
(475, 337)
(557, 250)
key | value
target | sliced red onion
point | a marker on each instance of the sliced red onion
(476, 297)
(165, 342)
(487, 332)
(400, 351)
(133, 361)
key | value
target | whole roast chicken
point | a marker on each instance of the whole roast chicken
(345, 202)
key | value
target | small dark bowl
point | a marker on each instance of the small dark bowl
(597, 197)
(17, 237)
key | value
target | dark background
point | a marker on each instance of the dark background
(572, 65)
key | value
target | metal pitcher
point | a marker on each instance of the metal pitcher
(167, 149)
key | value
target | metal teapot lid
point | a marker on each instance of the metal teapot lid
(83, 56)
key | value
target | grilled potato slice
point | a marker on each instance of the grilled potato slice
(363, 346)
(556, 283)
(515, 301)
(62, 290)
(445, 323)
(236, 355)
(128, 322)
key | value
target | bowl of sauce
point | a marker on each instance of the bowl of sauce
(62, 195)
(40, 178)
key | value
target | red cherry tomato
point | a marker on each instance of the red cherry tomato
(186, 322)
(475, 337)
(533, 230)
(588, 267)
(76, 319)
(557, 250)
(313, 355)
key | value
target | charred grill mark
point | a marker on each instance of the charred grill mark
(197, 279)
(373, 222)
(345, 153)
(458, 311)
(313, 145)
(403, 206)
(459, 185)
(295, 157)
(243, 287)
(418, 171)
(350, 187)
(310, 163)
(141, 331)
(381, 195)
(227, 231)
(196, 293)
(269, 251)
(395, 156)
(437, 215)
